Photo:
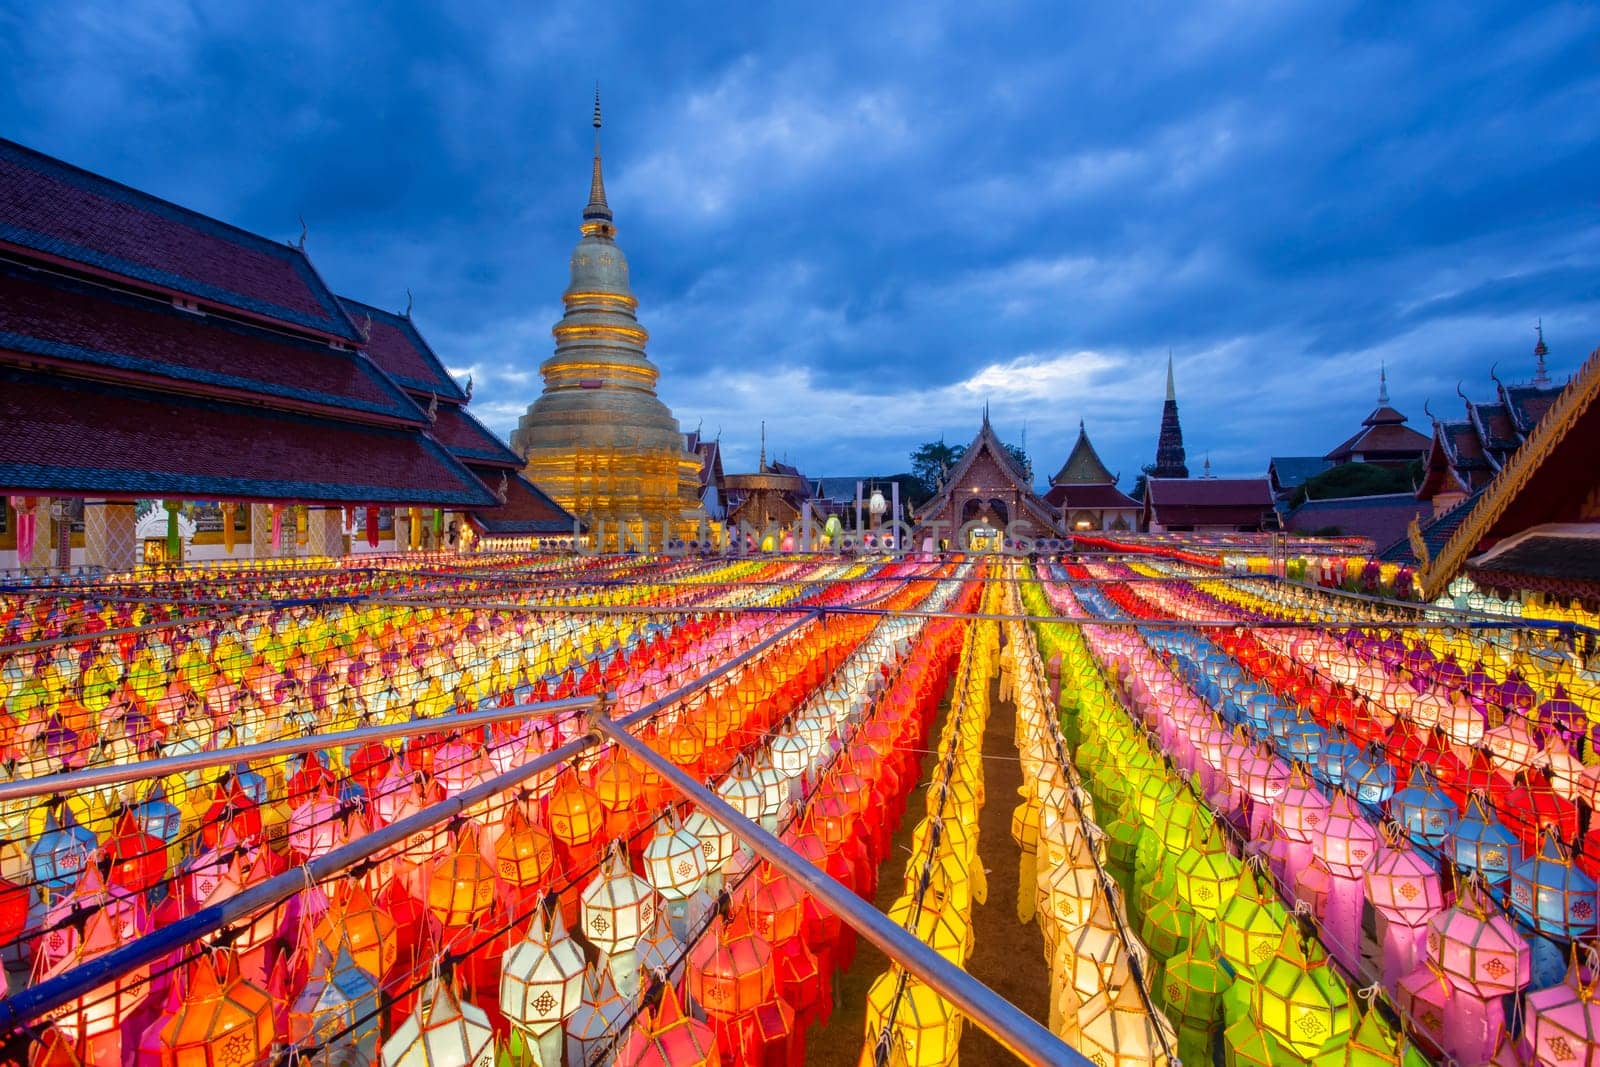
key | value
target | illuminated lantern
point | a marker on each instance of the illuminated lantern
(1304, 1008)
(314, 828)
(599, 1013)
(617, 906)
(577, 817)
(1404, 888)
(1373, 1044)
(1346, 846)
(674, 861)
(461, 885)
(1553, 896)
(61, 851)
(1483, 845)
(717, 845)
(138, 859)
(1250, 927)
(224, 1021)
(617, 785)
(337, 1009)
(1300, 813)
(541, 983)
(1192, 989)
(926, 1029)
(670, 1038)
(1427, 814)
(524, 852)
(1207, 875)
(1115, 1028)
(353, 923)
(1482, 957)
(443, 1031)
(1564, 1022)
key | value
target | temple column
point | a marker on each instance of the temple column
(325, 532)
(109, 539)
(44, 543)
(261, 531)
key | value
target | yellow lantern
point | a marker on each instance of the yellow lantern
(1305, 1009)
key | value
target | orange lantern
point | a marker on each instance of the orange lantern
(463, 884)
(524, 851)
(224, 1021)
(354, 921)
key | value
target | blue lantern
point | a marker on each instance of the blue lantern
(61, 852)
(1551, 895)
(1483, 844)
(1424, 810)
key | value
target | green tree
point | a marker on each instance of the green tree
(930, 462)
(1358, 479)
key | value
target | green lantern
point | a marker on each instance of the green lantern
(1208, 876)
(1249, 927)
(1244, 1044)
(1167, 920)
(1374, 1044)
(1306, 1009)
(1122, 844)
(1192, 992)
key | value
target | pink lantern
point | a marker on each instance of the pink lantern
(1301, 813)
(1483, 958)
(1345, 847)
(1564, 1023)
(1404, 889)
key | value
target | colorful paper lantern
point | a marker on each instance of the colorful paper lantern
(442, 1030)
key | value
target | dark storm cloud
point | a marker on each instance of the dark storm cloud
(860, 223)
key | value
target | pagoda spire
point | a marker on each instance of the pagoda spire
(1541, 376)
(1170, 459)
(597, 211)
(1383, 384)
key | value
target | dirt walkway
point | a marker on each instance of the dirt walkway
(1007, 956)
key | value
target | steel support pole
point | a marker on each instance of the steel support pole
(84, 979)
(1021, 1034)
(117, 773)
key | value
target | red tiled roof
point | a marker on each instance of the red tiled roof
(1079, 497)
(1382, 439)
(397, 347)
(119, 335)
(527, 509)
(1208, 501)
(67, 434)
(58, 212)
(469, 440)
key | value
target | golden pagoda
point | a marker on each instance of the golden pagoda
(598, 440)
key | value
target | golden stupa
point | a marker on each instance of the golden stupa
(598, 440)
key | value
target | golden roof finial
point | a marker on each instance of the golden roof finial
(597, 210)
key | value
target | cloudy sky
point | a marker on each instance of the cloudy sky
(859, 222)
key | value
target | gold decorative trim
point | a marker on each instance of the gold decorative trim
(1514, 476)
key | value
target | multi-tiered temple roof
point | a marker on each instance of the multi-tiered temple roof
(148, 350)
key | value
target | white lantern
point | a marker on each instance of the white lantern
(674, 862)
(617, 906)
(541, 978)
(444, 1031)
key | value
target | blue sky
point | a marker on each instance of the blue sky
(861, 221)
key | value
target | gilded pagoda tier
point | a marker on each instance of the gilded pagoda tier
(598, 440)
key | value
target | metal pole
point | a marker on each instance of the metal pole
(53, 993)
(1019, 1032)
(116, 773)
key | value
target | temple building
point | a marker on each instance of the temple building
(1085, 494)
(1384, 438)
(985, 492)
(712, 494)
(172, 387)
(598, 440)
(1207, 505)
(1466, 454)
(772, 498)
(1531, 534)
(1170, 459)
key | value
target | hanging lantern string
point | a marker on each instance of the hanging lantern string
(1108, 885)
(884, 1044)
(452, 957)
(1302, 913)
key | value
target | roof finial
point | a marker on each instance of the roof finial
(597, 212)
(1207, 474)
(1080, 426)
(986, 411)
(409, 301)
(761, 464)
(1541, 376)
(1383, 384)
(1172, 392)
(301, 244)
